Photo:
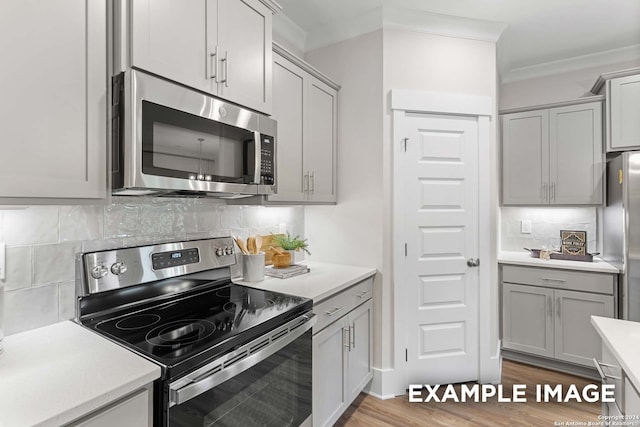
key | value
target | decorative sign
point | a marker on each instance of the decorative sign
(573, 242)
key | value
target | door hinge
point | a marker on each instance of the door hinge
(406, 355)
(405, 250)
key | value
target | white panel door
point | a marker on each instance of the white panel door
(440, 200)
(169, 39)
(576, 154)
(245, 61)
(525, 158)
(288, 110)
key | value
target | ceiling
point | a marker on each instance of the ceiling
(537, 31)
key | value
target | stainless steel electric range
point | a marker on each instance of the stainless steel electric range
(230, 355)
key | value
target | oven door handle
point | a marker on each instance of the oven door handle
(238, 361)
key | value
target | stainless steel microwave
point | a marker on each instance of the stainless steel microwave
(169, 139)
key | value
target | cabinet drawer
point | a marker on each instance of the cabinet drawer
(560, 279)
(333, 308)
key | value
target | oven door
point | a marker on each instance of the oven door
(266, 382)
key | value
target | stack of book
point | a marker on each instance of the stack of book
(285, 273)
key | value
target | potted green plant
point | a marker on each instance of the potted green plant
(295, 245)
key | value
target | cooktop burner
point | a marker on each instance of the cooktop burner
(203, 324)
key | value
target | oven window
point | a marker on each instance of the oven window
(182, 145)
(275, 392)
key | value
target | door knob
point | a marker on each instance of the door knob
(473, 262)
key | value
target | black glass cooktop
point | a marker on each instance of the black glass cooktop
(182, 333)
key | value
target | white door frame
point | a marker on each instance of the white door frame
(447, 104)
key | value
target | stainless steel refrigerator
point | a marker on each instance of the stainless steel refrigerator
(622, 228)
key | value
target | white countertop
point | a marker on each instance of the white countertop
(524, 258)
(56, 374)
(623, 338)
(321, 282)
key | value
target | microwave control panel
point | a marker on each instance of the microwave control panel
(267, 168)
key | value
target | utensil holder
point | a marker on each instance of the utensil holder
(253, 267)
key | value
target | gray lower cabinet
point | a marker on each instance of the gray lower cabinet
(342, 351)
(547, 314)
(135, 410)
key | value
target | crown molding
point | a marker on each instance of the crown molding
(403, 19)
(272, 5)
(613, 75)
(624, 54)
(287, 32)
(293, 58)
(583, 100)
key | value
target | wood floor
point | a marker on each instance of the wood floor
(369, 411)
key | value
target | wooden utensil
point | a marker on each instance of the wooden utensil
(258, 243)
(241, 245)
(251, 245)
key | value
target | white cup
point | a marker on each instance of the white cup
(253, 267)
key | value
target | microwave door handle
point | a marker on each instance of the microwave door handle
(258, 158)
(296, 328)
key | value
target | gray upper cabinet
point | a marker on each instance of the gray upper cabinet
(53, 110)
(623, 113)
(305, 105)
(219, 46)
(553, 156)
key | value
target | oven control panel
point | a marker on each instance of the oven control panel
(118, 268)
(175, 258)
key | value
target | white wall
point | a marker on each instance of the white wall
(351, 231)
(42, 242)
(358, 229)
(555, 88)
(428, 62)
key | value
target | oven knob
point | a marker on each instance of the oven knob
(200, 177)
(118, 268)
(99, 271)
(228, 250)
(219, 251)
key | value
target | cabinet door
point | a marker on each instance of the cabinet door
(288, 110)
(631, 402)
(169, 38)
(525, 158)
(133, 411)
(623, 101)
(576, 154)
(53, 109)
(329, 369)
(527, 319)
(360, 349)
(320, 141)
(244, 39)
(575, 339)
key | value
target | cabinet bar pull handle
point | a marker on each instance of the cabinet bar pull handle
(345, 332)
(305, 183)
(362, 294)
(333, 311)
(553, 190)
(549, 307)
(312, 185)
(352, 336)
(558, 308)
(551, 279)
(226, 69)
(213, 62)
(599, 366)
(544, 192)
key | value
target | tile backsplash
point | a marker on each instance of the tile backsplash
(42, 243)
(546, 223)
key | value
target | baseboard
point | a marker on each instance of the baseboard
(492, 372)
(553, 364)
(381, 386)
